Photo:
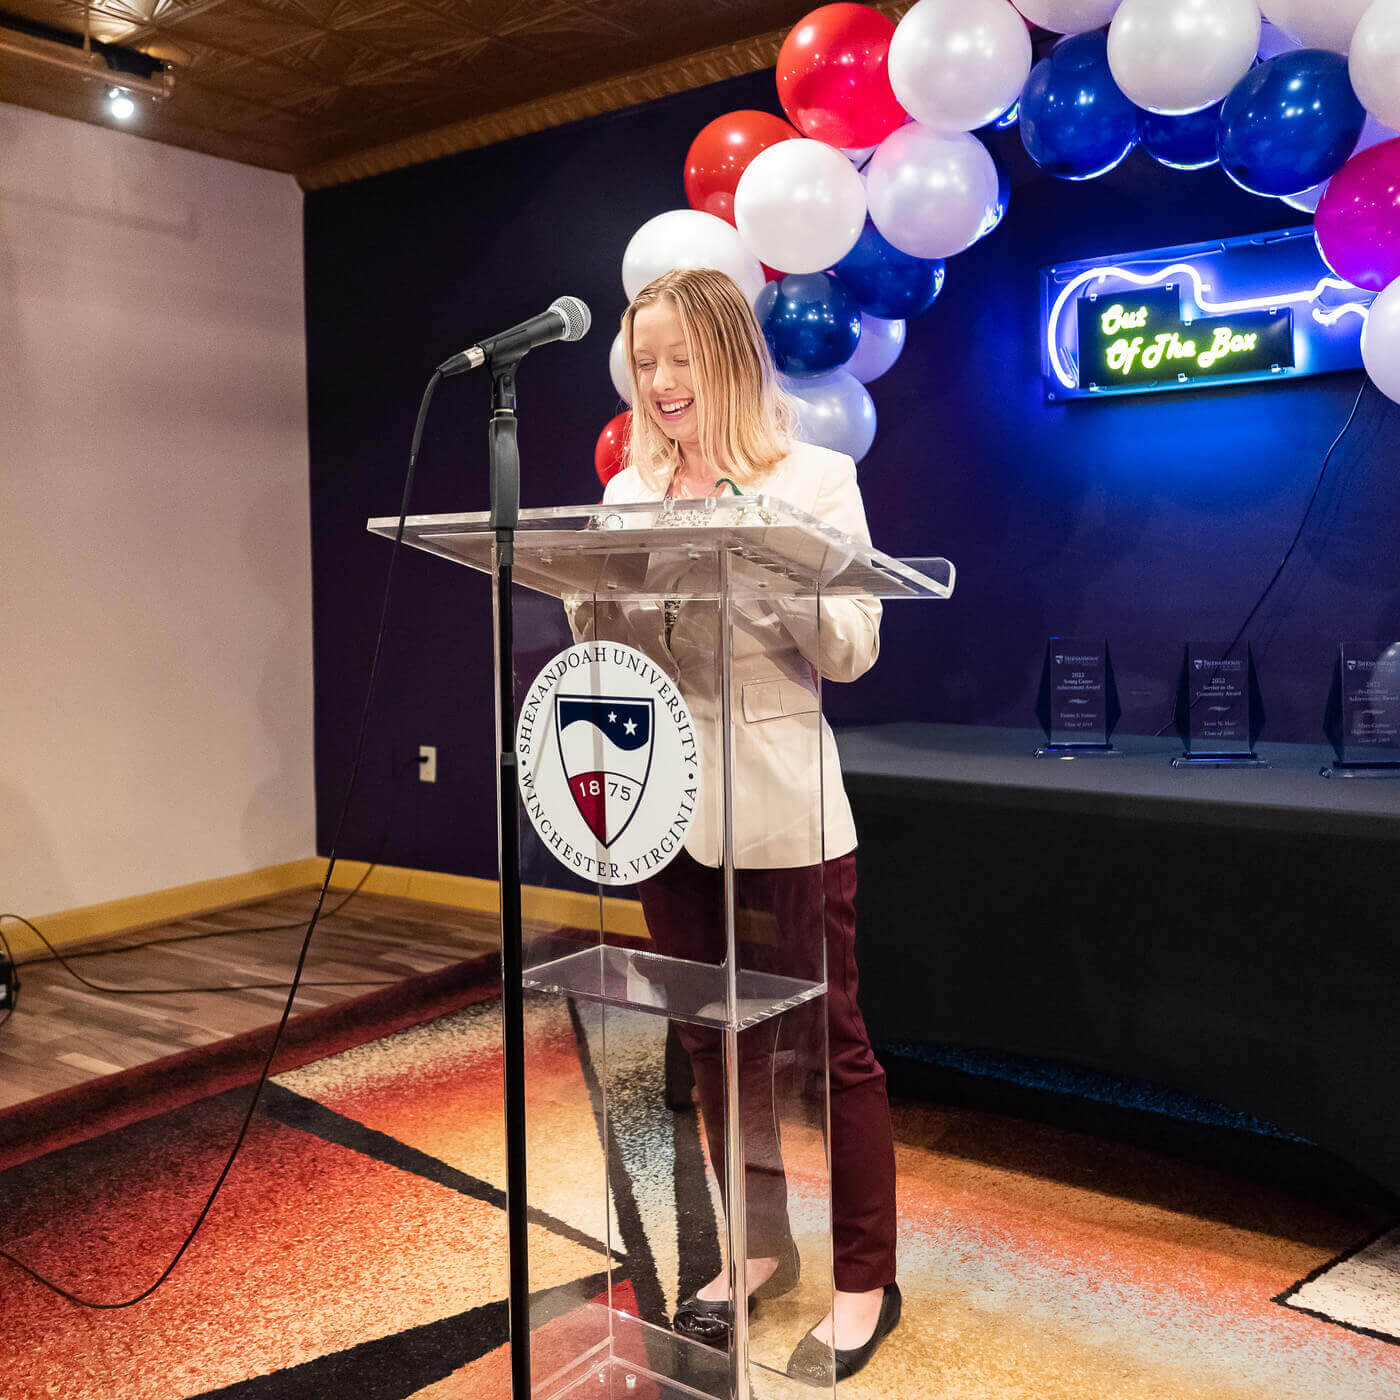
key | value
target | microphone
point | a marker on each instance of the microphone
(567, 319)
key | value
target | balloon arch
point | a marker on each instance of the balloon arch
(836, 223)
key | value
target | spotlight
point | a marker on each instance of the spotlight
(120, 105)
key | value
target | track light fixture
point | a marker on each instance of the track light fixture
(120, 105)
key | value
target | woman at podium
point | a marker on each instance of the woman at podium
(709, 418)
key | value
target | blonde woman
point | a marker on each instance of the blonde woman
(709, 417)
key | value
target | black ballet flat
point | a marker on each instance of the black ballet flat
(712, 1323)
(813, 1361)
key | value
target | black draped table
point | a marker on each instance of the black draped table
(1231, 935)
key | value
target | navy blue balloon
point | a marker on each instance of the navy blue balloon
(1184, 143)
(1290, 123)
(811, 322)
(886, 282)
(1075, 121)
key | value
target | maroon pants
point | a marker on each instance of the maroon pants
(782, 916)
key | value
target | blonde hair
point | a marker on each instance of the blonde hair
(747, 423)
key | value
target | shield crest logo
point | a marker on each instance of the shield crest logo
(605, 744)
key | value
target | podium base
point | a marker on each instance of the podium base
(641, 1361)
(1218, 760)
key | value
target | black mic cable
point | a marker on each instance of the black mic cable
(203, 1215)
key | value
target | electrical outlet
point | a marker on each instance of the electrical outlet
(427, 763)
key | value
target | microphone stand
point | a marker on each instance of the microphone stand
(505, 513)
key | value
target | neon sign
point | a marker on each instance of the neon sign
(1242, 309)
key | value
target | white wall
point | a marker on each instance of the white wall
(155, 595)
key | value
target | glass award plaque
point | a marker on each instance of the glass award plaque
(1218, 714)
(1363, 712)
(1078, 702)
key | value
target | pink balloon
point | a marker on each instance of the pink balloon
(1358, 218)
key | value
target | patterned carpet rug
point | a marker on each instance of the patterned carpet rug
(358, 1248)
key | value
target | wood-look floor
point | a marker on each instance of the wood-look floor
(63, 1033)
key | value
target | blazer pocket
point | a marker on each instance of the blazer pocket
(762, 700)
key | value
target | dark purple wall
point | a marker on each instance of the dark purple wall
(1145, 519)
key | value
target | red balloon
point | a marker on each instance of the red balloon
(607, 455)
(834, 79)
(722, 152)
(1358, 218)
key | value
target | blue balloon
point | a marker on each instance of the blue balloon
(1075, 121)
(886, 282)
(1290, 123)
(998, 211)
(811, 322)
(1184, 143)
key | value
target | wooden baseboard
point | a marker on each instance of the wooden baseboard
(69, 927)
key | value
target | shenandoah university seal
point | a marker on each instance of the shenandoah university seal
(609, 771)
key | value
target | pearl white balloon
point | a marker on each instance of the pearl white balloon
(1373, 132)
(1306, 200)
(835, 411)
(858, 155)
(688, 238)
(930, 191)
(1273, 41)
(1316, 24)
(1068, 16)
(878, 348)
(617, 368)
(1178, 56)
(802, 208)
(958, 64)
(1380, 341)
(1374, 63)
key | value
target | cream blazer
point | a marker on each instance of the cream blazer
(783, 750)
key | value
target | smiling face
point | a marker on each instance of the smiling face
(662, 363)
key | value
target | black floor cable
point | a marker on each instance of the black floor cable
(315, 915)
(65, 961)
(55, 956)
(14, 977)
(1292, 544)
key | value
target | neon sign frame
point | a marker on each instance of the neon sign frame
(1263, 272)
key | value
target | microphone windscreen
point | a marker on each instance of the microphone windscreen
(577, 317)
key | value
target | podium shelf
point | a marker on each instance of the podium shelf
(672, 987)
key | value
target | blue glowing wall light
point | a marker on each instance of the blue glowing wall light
(1262, 279)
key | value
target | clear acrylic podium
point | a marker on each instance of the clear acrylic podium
(638, 1195)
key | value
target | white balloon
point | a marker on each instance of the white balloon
(1068, 16)
(958, 64)
(1273, 41)
(1380, 341)
(1178, 56)
(835, 411)
(1316, 24)
(930, 191)
(878, 348)
(800, 209)
(858, 155)
(1374, 63)
(617, 368)
(688, 238)
(1373, 132)
(1307, 200)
